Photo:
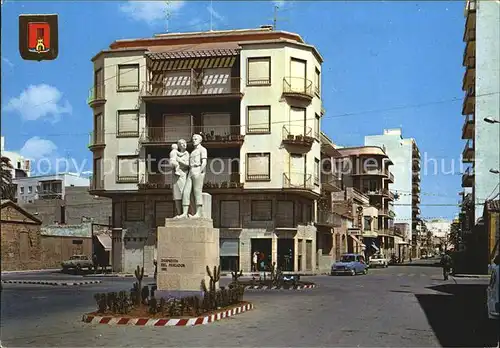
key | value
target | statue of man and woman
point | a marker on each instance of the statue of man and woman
(188, 176)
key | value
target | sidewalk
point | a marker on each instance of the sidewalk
(33, 271)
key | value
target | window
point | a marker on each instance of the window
(128, 77)
(163, 210)
(316, 171)
(99, 129)
(230, 214)
(259, 119)
(316, 126)
(21, 190)
(127, 169)
(317, 82)
(367, 223)
(128, 123)
(30, 189)
(285, 216)
(259, 71)
(258, 166)
(98, 84)
(262, 210)
(134, 211)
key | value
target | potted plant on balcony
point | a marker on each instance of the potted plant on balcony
(290, 137)
(308, 139)
(224, 184)
(233, 184)
(299, 138)
(218, 138)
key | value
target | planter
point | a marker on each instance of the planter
(250, 285)
(117, 320)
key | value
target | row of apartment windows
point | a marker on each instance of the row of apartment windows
(258, 167)
(230, 213)
(258, 74)
(55, 188)
(258, 122)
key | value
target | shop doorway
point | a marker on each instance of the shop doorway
(286, 251)
(263, 246)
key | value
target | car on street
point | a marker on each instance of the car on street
(351, 264)
(492, 298)
(379, 260)
(77, 263)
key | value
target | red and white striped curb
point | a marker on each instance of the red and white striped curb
(261, 287)
(48, 282)
(94, 319)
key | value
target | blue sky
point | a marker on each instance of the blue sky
(378, 56)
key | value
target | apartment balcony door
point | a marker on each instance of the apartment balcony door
(177, 83)
(216, 81)
(297, 171)
(297, 123)
(298, 74)
(177, 127)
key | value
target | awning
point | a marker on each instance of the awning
(105, 241)
(357, 240)
(200, 56)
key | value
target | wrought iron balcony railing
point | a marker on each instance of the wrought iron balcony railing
(96, 95)
(298, 180)
(298, 86)
(297, 135)
(329, 219)
(185, 86)
(211, 134)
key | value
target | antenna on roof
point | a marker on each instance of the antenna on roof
(275, 17)
(168, 13)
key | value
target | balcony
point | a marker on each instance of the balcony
(415, 210)
(213, 137)
(298, 87)
(469, 104)
(416, 164)
(326, 218)
(297, 135)
(416, 176)
(469, 79)
(185, 89)
(468, 127)
(331, 183)
(468, 177)
(96, 185)
(155, 181)
(300, 183)
(96, 140)
(415, 199)
(386, 231)
(470, 34)
(222, 182)
(468, 154)
(357, 195)
(469, 52)
(96, 96)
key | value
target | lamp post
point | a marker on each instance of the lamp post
(492, 120)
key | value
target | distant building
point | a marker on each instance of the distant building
(20, 166)
(54, 186)
(405, 155)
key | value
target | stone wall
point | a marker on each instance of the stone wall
(20, 246)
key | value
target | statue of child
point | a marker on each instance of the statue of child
(173, 159)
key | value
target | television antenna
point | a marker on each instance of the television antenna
(211, 15)
(168, 13)
(276, 18)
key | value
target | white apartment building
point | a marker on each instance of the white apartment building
(51, 186)
(20, 165)
(255, 95)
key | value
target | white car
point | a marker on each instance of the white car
(492, 297)
(378, 260)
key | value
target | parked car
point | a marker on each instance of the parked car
(351, 264)
(492, 298)
(78, 263)
(379, 260)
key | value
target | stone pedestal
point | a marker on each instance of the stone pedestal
(185, 247)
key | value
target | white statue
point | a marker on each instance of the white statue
(195, 179)
(180, 176)
(173, 159)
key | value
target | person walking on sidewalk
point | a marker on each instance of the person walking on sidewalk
(446, 263)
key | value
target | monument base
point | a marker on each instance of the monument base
(185, 248)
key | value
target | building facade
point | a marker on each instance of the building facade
(21, 167)
(255, 96)
(481, 79)
(30, 189)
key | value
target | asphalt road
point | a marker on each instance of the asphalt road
(403, 306)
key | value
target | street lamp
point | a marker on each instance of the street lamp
(490, 120)
(494, 171)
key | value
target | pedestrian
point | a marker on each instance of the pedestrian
(446, 264)
(156, 269)
(255, 259)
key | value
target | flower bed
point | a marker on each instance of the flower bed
(140, 303)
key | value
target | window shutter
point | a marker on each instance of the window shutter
(259, 119)
(217, 124)
(128, 76)
(128, 166)
(262, 210)
(258, 71)
(297, 121)
(284, 214)
(128, 122)
(258, 164)
(178, 127)
(163, 210)
(99, 129)
(316, 170)
(135, 211)
(317, 126)
(178, 83)
(230, 214)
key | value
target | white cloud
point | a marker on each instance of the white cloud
(151, 12)
(36, 148)
(216, 15)
(7, 62)
(39, 101)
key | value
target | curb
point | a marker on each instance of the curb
(262, 287)
(33, 271)
(41, 282)
(477, 276)
(114, 275)
(93, 319)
